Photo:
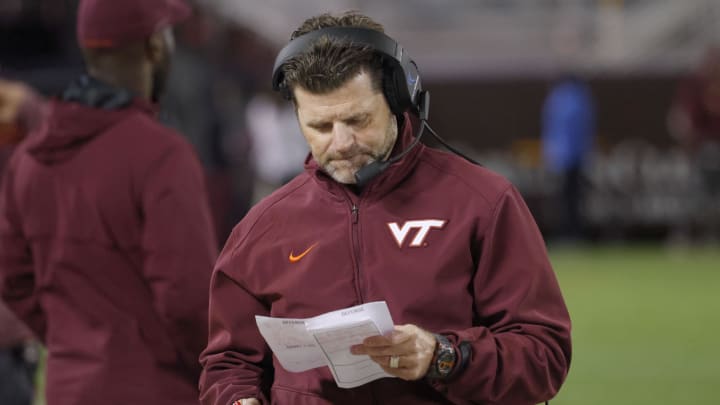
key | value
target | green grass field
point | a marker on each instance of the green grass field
(645, 325)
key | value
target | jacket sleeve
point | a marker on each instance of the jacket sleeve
(17, 276)
(237, 363)
(521, 342)
(179, 249)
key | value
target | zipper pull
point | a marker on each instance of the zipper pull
(354, 211)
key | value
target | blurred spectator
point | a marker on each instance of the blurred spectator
(204, 100)
(694, 121)
(279, 147)
(106, 239)
(695, 114)
(568, 129)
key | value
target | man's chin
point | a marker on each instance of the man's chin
(344, 176)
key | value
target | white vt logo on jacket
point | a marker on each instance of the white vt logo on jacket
(423, 226)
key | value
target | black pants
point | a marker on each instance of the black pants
(571, 225)
(16, 377)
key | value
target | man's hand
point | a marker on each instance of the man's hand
(13, 95)
(413, 346)
(247, 401)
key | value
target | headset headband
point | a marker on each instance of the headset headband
(401, 77)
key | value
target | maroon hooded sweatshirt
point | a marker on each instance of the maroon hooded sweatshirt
(106, 251)
(476, 269)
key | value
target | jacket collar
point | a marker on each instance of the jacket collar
(94, 93)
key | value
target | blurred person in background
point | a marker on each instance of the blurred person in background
(694, 121)
(204, 101)
(20, 111)
(484, 320)
(568, 131)
(106, 239)
(278, 146)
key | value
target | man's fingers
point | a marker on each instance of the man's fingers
(386, 362)
(377, 341)
(403, 361)
(405, 373)
(358, 349)
(399, 336)
(393, 338)
(402, 349)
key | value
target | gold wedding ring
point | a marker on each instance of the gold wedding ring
(394, 361)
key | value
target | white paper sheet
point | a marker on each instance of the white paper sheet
(325, 340)
(294, 347)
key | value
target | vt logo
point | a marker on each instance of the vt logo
(423, 226)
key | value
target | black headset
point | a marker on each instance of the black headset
(401, 79)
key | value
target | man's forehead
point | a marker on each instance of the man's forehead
(358, 93)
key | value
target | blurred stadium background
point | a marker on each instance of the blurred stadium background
(641, 280)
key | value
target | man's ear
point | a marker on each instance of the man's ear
(155, 47)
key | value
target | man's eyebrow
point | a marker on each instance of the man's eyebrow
(358, 116)
(322, 122)
(318, 123)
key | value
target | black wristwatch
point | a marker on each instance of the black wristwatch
(444, 359)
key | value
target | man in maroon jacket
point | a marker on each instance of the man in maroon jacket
(450, 246)
(106, 240)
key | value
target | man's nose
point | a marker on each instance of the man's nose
(343, 137)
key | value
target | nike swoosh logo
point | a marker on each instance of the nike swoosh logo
(294, 259)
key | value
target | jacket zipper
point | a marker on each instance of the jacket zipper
(355, 213)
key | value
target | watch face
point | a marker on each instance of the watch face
(445, 362)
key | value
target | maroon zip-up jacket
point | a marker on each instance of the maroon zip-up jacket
(477, 271)
(106, 252)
